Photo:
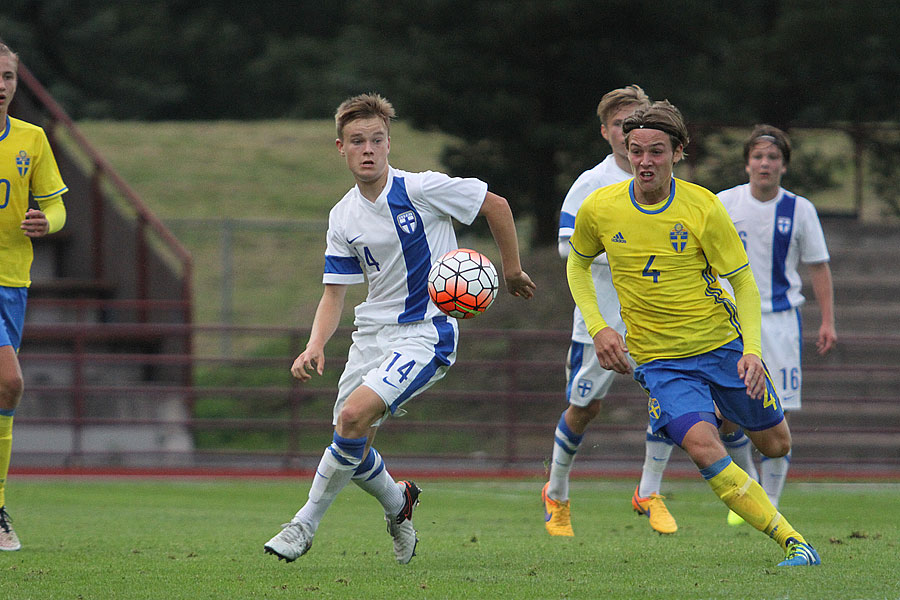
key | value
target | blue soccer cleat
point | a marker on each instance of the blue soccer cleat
(800, 554)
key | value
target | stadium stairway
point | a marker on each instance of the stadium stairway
(105, 293)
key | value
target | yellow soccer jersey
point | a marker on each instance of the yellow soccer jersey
(26, 165)
(665, 261)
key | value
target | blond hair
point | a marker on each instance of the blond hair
(612, 102)
(363, 106)
(4, 49)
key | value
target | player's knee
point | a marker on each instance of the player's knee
(11, 389)
(774, 446)
(777, 448)
(356, 418)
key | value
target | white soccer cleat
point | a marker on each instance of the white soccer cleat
(293, 541)
(9, 541)
(401, 527)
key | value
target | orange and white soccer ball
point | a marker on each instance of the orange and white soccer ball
(462, 283)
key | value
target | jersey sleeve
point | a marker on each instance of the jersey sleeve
(812, 239)
(584, 240)
(46, 182)
(458, 197)
(54, 211)
(581, 284)
(586, 245)
(341, 262)
(746, 299)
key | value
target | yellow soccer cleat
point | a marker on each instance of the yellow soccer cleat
(556, 515)
(735, 519)
(661, 520)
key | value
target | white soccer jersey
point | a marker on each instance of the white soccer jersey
(605, 173)
(778, 235)
(393, 241)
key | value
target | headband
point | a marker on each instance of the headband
(667, 129)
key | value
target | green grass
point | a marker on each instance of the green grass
(243, 169)
(135, 539)
(283, 176)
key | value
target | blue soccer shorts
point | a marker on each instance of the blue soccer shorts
(700, 384)
(12, 315)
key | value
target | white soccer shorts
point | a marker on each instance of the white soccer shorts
(398, 362)
(781, 353)
(585, 378)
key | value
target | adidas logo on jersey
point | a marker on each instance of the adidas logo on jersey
(619, 238)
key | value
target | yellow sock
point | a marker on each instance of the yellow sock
(5, 452)
(781, 531)
(746, 497)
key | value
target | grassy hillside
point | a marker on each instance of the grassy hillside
(227, 169)
(280, 178)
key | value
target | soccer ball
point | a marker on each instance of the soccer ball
(462, 283)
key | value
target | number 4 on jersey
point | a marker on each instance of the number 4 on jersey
(648, 272)
(370, 260)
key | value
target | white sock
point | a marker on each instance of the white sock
(565, 446)
(741, 452)
(373, 477)
(774, 472)
(656, 457)
(334, 471)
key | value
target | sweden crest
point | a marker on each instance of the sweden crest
(407, 221)
(653, 407)
(678, 236)
(23, 162)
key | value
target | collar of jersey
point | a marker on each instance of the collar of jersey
(382, 197)
(8, 126)
(652, 211)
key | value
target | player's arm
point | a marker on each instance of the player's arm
(608, 344)
(823, 290)
(746, 298)
(503, 227)
(49, 219)
(325, 323)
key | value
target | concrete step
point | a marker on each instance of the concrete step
(846, 234)
(856, 318)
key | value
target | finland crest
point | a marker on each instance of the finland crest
(407, 221)
(584, 387)
(678, 236)
(783, 224)
(23, 162)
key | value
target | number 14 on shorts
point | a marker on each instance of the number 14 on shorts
(400, 367)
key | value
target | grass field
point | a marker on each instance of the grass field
(136, 539)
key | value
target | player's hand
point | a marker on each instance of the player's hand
(35, 224)
(311, 360)
(827, 338)
(750, 369)
(612, 351)
(520, 285)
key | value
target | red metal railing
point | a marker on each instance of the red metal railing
(503, 400)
